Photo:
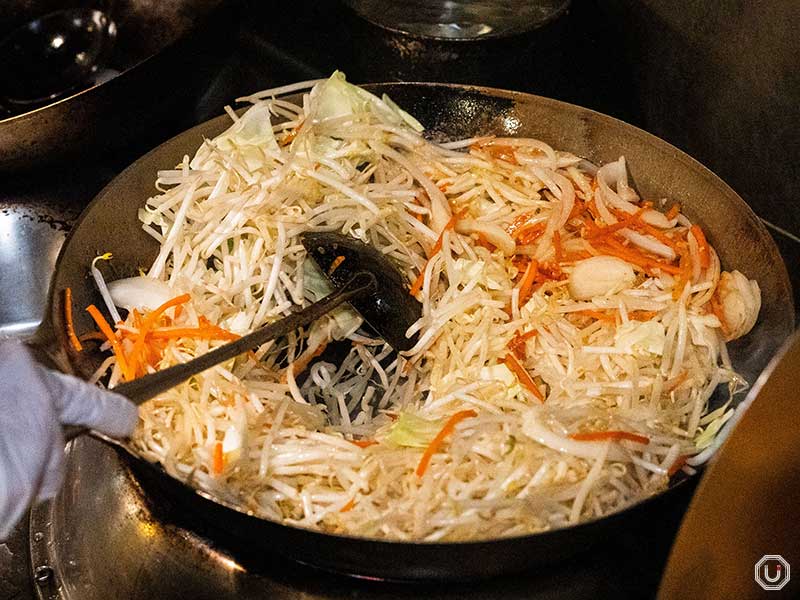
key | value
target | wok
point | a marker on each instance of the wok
(448, 111)
(163, 56)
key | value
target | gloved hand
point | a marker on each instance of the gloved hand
(34, 403)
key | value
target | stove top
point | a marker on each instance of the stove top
(103, 538)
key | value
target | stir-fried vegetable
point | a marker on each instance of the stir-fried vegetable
(578, 329)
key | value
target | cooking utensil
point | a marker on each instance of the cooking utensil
(391, 310)
(53, 55)
(364, 277)
(448, 112)
(149, 386)
(753, 481)
(164, 52)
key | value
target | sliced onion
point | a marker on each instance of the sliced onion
(649, 243)
(493, 233)
(143, 293)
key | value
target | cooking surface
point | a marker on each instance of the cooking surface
(105, 540)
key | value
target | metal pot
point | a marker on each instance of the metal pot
(163, 56)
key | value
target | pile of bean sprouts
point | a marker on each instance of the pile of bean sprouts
(614, 394)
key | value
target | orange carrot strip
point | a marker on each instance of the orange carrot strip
(205, 333)
(559, 250)
(335, 264)
(153, 317)
(484, 241)
(437, 441)
(626, 221)
(596, 314)
(523, 376)
(702, 246)
(673, 211)
(73, 339)
(218, 459)
(684, 277)
(299, 365)
(139, 350)
(517, 343)
(598, 436)
(127, 375)
(523, 221)
(677, 465)
(363, 443)
(526, 284)
(642, 315)
(612, 247)
(349, 506)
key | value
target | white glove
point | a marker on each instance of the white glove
(34, 403)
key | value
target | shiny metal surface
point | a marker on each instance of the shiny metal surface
(103, 538)
(163, 58)
(755, 479)
(29, 245)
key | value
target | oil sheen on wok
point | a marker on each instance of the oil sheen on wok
(571, 335)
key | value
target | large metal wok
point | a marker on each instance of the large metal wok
(448, 111)
(164, 52)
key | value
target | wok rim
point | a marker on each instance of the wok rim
(52, 315)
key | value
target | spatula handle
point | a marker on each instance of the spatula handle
(144, 388)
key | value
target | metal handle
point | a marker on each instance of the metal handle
(144, 388)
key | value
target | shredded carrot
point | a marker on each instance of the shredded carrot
(437, 441)
(140, 354)
(642, 315)
(153, 317)
(673, 211)
(662, 237)
(612, 247)
(73, 339)
(596, 314)
(299, 365)
(335, 264)
(522, 222)
(484, 241)
(684, 277)
(528, 234)
(702, 246)
(498, 151)
(677, 381)
(598, 436)
(349, 506)
(626, 220)
(205, 333)
(559, 249)
(127, 374)
(218, 459)
(523, 376)
(364, 443)
(526, 284)
(677, 465)
(591, 208)
(517, 343)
